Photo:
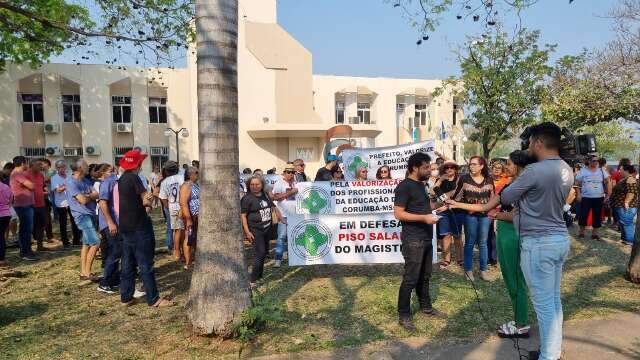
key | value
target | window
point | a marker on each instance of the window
(420, 118)
(118, 153)
(32, 109)
(158, 110)
(159, 156)
(455, 114)
(32, 152)
(339, 112)
(121, 106)
(364, 113)
(71, 108)
(455, 153)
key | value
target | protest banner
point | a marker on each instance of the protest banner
(340, 239)
(346, 197)
(393, 156)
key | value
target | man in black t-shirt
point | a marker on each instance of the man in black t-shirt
(324, 173)
(136, 231)
(413, 209)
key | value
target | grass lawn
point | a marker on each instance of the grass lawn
(49, 313)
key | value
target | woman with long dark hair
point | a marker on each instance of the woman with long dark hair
(383, 173)
(450, 225)
(256, 212)
(508, 251)
(476, 188)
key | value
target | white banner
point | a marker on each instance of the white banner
(339, 239)
(393, 156)
(346, 197)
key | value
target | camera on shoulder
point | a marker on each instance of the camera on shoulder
(573, 149)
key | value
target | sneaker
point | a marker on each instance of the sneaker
(277, 264)
(407, 324)
(106, 289)
(138, 294)
(29, 258)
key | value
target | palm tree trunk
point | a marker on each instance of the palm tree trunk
(219, 290)
(633, 269)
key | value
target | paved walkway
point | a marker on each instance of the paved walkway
(612, 338)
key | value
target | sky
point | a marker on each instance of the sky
(371, 38)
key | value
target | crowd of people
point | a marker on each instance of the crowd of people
(108, 208)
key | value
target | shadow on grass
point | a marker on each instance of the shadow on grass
(16, 312)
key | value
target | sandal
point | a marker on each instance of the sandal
(510, 330)
(163, 303)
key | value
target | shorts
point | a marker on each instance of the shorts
(451, 224)
(90, 235)
(176, 222)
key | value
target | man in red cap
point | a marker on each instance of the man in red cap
(136, 231)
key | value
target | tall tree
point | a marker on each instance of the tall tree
(502, 82)
(219, 290)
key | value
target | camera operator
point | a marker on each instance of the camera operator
(540, 194)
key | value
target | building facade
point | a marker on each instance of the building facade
(65, 111)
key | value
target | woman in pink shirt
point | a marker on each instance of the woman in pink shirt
(6, 198)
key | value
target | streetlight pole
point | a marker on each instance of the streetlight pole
(185, 133)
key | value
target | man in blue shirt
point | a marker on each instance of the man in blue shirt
(82, 202)
(108, 226)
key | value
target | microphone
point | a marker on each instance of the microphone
(440, 195)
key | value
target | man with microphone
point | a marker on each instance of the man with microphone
(413, 209)
(539, 195)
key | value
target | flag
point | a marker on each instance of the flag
(443, 133)
(414, 134)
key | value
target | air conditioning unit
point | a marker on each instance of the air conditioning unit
(51, 128)
(92, 150)
(72, 152)
(124, 128)
(142, 149)
(52, 151)
(158, 151)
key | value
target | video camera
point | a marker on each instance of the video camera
(573, 149)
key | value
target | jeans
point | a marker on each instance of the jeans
(138, 247)
(39, 223)
(625, 219)
(4, 223)
(541, 261)
(25, 216)
(281, 240)
(418, 258)
(491, 243)
(111, 272)
(476, 231)
(63, 214)
(169, 232)
(595, 206)
(260, 249)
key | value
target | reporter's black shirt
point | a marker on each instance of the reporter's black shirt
(411, 195)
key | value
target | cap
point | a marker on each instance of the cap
(132, 159)
(332, 158)
(171, 166)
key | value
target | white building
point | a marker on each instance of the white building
(98, 111)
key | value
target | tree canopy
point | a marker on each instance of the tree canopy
(33, 31)
(502, 82)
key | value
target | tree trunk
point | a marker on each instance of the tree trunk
(219, 291)
(633, 269)
(486, 152)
